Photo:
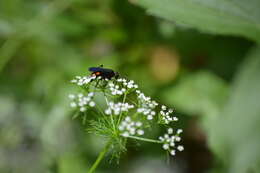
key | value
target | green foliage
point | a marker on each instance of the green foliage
(206, 92)
(231, 121)
(234, 135)
(236, 17)
(44, 43)
(231, 124)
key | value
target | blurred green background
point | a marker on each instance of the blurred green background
(212, 81)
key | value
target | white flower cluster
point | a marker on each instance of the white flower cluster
(147, 105)
(82, 101)
(115, 89)
(129, 84)
(129, 127)
(117, 108)
(166, 115)
(79, 80)
(169, 140)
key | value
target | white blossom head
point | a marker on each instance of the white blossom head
(81, 101)
(169, 141)
(125, 111)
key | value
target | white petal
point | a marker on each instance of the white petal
(166, 146)
(180, 148)
(92, 104)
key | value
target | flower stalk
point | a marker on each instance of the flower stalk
(100, 156)
(145, 139)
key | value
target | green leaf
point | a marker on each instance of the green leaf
(201, 93)
(229, 17)
(234, 136)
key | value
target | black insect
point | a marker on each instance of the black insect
(105, 73)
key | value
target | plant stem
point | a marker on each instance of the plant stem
(111, 116)
(145, 139)
(100, 157)
(120, 115)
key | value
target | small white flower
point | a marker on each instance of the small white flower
(108, 111)
(130, 127)
(149, 117)
(166, 146)
(92, 104)
(172, 144)
(128, 119)
(177, 138)
(111, 84)
(146, 112)
(117, 89)
(172, 152)
(180, 148)
(140, 110)
(82, 80)
(71, 96)
(132, 131)
(138, 124)
(73, 104)
(140, 132)
(82, 109)
(163, 107)
(169, 140)
(114, 93)
(117, 108)
(121, 128)
(91, 94)
(170, 131)
(125, 134)
(82, 101)
(73, 81)
(179, 131)
(161, 138)
(116, 112)
(129, 86)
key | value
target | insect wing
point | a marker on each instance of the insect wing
(104, 72)
(95, 69)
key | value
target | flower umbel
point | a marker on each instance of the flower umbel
(128, 113)
(82, 101)
(169, 141)
(129, 127)
(117, 108)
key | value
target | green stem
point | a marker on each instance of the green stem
(145, 139)
(111, 116)
(120, 115)
(100, 157)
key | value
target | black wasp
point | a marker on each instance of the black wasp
(105, 73)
